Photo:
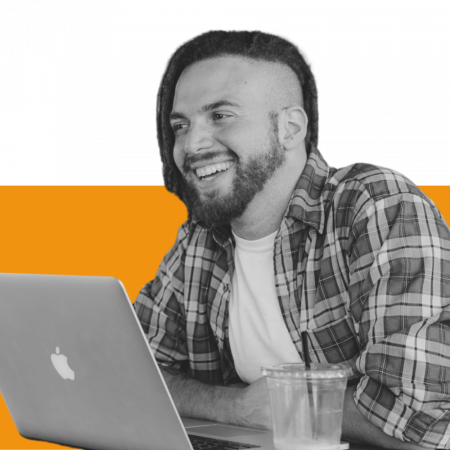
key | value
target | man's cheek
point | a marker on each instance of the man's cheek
(178, 158)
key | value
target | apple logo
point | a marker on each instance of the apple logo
(61, 366)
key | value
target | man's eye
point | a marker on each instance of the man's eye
(219, 116)
(179, 128)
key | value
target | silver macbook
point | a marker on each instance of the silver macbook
(77, 370)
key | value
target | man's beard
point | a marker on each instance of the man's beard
(213, 209)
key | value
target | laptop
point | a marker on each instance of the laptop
(76, 369)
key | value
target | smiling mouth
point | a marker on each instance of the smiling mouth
(212, 170)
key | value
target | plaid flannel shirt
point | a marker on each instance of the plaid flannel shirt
(361, 262)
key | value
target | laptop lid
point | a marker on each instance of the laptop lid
(76, 368)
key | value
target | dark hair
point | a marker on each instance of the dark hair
(250, 44)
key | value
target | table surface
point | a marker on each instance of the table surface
(364, 447)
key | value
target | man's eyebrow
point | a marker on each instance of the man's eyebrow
(219, 104)
(177, 115)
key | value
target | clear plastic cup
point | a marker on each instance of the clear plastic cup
(306, 405)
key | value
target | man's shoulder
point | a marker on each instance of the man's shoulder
(368, 180)
(192, 233)
(187, 231)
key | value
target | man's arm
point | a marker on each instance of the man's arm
(247, 406)
(250, 407)
(399, 301)
(357, 429)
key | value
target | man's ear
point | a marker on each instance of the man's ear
(292, 126)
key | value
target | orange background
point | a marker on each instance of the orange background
(119, 231)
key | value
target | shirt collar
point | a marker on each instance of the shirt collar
(306, 203)
(222, 234)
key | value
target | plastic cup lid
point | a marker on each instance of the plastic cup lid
(300, 371)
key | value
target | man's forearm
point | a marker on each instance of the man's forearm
(356, 428)
(234, 405)
(198, 400)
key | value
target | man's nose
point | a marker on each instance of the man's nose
(198, 138)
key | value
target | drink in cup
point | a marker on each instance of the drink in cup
(307, 405)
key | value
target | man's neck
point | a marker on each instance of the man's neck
(264, 214)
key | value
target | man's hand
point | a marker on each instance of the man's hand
(246, 406)
(253, 406)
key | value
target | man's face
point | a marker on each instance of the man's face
(226, 143)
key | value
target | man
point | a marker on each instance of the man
(278, 243)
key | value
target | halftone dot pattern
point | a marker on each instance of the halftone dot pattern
(78, 82)
(89, 153)
(29, 95)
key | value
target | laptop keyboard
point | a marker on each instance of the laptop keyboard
(204, 443)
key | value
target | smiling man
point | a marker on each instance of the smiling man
(278, 243)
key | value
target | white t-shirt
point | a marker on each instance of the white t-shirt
(258, 334)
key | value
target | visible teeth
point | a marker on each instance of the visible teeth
(213, 168)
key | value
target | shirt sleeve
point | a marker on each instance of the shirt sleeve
(160, 308)
(399, 267)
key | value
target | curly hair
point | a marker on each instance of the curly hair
(250, 44)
